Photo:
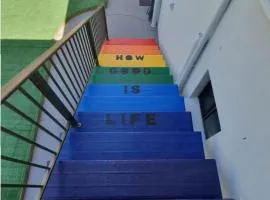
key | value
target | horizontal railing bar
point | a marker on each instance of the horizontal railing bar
(19, 112)
(24, 162)
(12, 133)
(6, 185)
(22, 76)
(25, 93)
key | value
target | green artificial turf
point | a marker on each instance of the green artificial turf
(76, 6)
(38, 20)
(28, 29)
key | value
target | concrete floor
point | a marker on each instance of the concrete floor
(125, 18)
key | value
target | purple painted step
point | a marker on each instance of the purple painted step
(142, 121)
(132, 146)
(151, 179)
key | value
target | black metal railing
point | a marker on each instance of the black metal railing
(57, 78)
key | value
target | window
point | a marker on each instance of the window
(145, 2)
(209, 111)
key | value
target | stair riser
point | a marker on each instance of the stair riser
(131, 71)
(135, 122)
(130, 104)
(131, 90)
(131, 60)
(129, 79)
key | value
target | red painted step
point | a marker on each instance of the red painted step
(130, 49)
(130, 41)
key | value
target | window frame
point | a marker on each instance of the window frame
(211, 111)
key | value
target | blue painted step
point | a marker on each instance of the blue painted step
(151, 179)
(132, 146)
(131, 104)
(131, 90)
(175, 121)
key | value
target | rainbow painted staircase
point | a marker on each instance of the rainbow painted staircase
(136, 140)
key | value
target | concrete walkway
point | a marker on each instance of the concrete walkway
(126, 18)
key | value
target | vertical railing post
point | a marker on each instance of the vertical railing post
(48, 92)
(105, 22)
(92, 41)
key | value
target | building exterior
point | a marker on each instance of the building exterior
(237, 61)
(217, 52)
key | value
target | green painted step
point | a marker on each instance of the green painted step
(131, 79)
(132, 71)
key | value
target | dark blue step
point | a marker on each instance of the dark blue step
(131, 90)
(175, 121)
(131, 104)
(132, 146)
(151, 179)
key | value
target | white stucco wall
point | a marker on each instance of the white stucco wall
(238, 61)
(178, 28)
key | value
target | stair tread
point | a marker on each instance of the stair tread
(130, 49)
(135, 179)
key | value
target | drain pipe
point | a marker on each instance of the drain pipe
(199, 45)
(156, 12)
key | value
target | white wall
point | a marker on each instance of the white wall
(178, 28)
(238, 62)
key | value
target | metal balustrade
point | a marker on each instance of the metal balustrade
(60, 75)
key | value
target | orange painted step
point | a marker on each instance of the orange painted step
(130, 41)
(130, 49)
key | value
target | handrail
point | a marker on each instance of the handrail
(18, 79)
(71, 61)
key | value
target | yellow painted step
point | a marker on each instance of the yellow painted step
(133, 60)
